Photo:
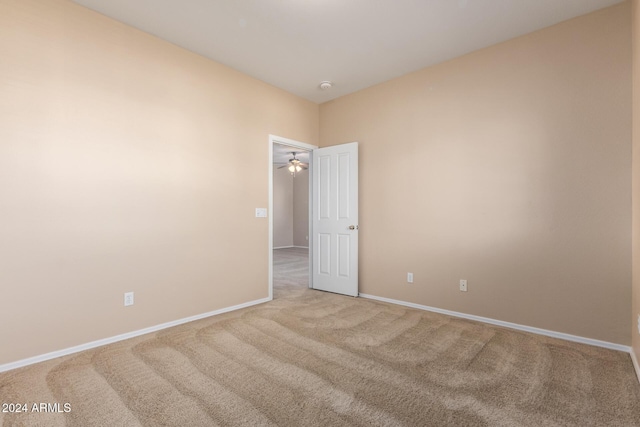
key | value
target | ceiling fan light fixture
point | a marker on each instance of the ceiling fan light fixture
(294, 165)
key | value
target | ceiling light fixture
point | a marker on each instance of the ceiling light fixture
(325, 85)
(294, 165)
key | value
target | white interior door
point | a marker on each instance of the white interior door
(335, 219)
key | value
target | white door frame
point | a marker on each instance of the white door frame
(274, 139)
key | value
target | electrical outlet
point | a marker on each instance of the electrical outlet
(409, 277)
(463, 285)
(128, 298)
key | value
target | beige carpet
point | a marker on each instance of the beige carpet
(312, 358)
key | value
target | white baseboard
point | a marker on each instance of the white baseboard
(636, 365)
(510, 325)
(289, 247)
(105, 341)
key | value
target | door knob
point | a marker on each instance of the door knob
(353, 227)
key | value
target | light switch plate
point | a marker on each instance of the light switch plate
(261, 212)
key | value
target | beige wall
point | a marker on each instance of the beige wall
(282, 208)
(301, 209)
(508, 167)
(120, 171)
(635, 312)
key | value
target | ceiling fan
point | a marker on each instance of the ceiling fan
(295, 165)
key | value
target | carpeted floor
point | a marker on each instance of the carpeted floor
(310, 358)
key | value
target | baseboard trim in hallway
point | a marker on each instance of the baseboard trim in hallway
(289, 247)
(121, 337)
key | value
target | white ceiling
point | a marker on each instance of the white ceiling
(282, 154)
(296, 44)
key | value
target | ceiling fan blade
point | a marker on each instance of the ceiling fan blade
(283, 166)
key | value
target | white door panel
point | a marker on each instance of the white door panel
(335, 219)
(324, 251)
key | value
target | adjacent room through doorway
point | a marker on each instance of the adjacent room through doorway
(290, 219)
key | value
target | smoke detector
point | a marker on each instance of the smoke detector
(325, 85)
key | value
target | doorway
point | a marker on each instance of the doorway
(290, 207)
